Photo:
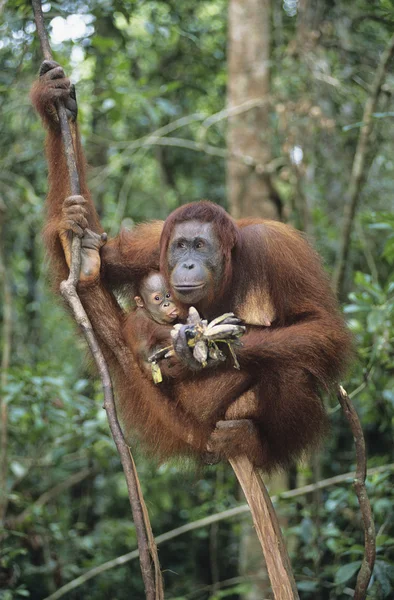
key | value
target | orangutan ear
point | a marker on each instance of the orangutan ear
(139, 302)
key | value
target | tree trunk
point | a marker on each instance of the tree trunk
(250, 194)
(251, 560)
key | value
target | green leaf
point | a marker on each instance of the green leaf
(346, 572)
(383, 572)
(375, 320)
(381, 226)
(352, 126)
(307, 530)
(18, 469)
(352, 308)
(383, 115)
(307, 586)
(388, 251)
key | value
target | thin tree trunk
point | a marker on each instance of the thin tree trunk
(359, 168)
(267, 527)
(249, 37)
(250, 193)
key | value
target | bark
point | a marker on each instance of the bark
(268, 531)
(249, 36)
(367, 565)
(251, 562)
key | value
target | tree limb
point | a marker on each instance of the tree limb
(153, 139)
(365, 573)
(176, 142)
(358, 173)
(152, 581)
(50, 495)
(268, 531)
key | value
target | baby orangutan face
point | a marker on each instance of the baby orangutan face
(156, 298)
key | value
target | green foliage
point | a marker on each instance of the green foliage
(331, 559)
(158, 67)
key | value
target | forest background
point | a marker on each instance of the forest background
(176, 100)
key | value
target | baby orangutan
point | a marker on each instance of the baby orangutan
(156, 299)
(148, 326)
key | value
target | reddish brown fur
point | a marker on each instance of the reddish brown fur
(283, 366)
(144, 336)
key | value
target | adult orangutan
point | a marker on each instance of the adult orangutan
(295, 345)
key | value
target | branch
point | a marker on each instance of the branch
(249, 161)
(367, 252)
(229, 112)
(5, 363)
(358, 173)
(206, 522)
(128, 146)
(153, 585)
(31, 463)
(161, 131)
(152, 139)
(267, 527)
(222, 584)
(365, 573)
(50, 495)
(157, 140)
(46, 461)
(152, 581)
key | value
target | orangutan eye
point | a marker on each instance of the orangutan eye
(200, 245)
(181, 245)
(157, 298)
(168, 295)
